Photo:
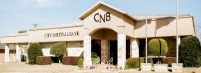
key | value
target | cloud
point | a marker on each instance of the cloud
(41, 3)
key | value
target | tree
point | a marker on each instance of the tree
(34, 50)
(190, 52)
(59, 49)
(157, 47)
(22, 31)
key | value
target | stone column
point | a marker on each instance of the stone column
(18, 53)
(134, 48)
(7, 53)
(121, 50)
(104, 51)
(87, 51)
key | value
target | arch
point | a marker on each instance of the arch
(95, 30)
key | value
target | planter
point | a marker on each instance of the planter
(145, 66)
(160, 67)
(177, 67)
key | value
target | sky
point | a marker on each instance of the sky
(18, 15)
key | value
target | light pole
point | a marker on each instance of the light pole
(35, 25)
(177, 44)
(146, 30)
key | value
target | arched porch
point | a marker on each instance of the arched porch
(110, 44)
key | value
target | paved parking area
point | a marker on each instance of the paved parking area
(59, 68)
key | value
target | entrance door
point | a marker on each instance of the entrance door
(113, 51)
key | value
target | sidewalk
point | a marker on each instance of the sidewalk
(60, 68)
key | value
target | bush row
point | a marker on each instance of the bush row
(70, 60)
(43, 60)
(46, 60)
(136, 62)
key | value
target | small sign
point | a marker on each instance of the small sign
(61, 34)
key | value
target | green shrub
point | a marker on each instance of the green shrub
(43, 60)
(59, 49)
(95, 60)
(134, 63)
(157, 47)
(34, 50)
(22, 31)
(169, 60)
(80, 63)
(70, 60)
(190, 52)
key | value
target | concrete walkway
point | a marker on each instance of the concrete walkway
(59, 68)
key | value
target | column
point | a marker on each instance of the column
(121, 50)
(7, 53)
(134, 47)
(18, 53)
(87, 51)
(104, 51)
(179, 40)
(27, 57)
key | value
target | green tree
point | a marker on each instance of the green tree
(190, 52)
(22, 31)
(34, 50)
(157, 47)
(59, 49)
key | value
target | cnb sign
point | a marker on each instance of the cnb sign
(102, 17)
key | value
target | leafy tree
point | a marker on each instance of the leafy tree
(190, 52)
(34, 50)
(59, 49)
(157, 47)
(22, 31)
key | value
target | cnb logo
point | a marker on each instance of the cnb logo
(102, 18)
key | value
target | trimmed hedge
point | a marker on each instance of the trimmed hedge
(43, 60)
(169, 60)
(34, 50)
(80, 63)
(134, 62)
(190, 52)
(59, 49)
(70, 60)
(157, 47)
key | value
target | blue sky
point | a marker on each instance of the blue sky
(18, 15)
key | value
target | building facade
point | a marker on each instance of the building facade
(105, 30)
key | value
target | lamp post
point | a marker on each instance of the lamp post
(177, 44)
(35, 25)
(146, 30)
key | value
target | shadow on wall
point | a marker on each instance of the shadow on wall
(163, 22)
(140, 24)
(82, 54)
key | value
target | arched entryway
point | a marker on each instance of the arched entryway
(105, 44)
(112, 44)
